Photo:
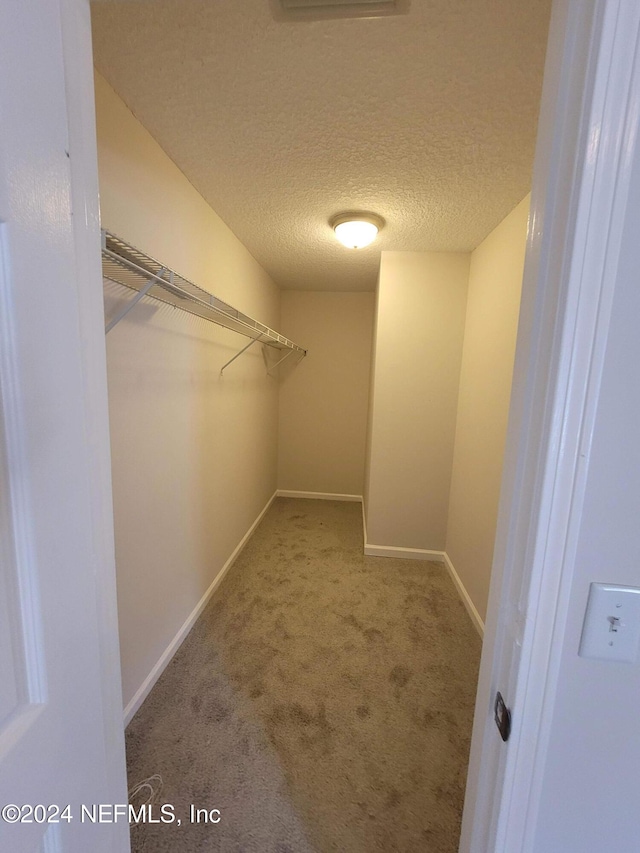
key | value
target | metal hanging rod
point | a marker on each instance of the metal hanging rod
(126, 265)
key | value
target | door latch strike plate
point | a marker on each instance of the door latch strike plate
(502, 716)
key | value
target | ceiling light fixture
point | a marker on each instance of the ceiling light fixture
(356, 230)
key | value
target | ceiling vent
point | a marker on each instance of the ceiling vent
(317, 10)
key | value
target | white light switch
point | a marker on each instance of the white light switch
(611, 629)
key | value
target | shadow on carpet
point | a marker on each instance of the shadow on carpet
(322, 702)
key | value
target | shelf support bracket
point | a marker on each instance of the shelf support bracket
(132, 303)
(284, 358)
(238, 354)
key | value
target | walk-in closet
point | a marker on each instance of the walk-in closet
(319, 460)
(307, 440)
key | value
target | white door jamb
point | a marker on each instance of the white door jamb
(587, 141)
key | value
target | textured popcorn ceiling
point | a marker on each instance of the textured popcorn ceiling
(428, 119)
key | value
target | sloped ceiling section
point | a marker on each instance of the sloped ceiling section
(427, 118)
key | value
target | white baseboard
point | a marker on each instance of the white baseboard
(434, 556)
(318, 496)
(145, 688)
(464, 595)
(403, 553)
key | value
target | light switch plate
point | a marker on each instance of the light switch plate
(611, 629)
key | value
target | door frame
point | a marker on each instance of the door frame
(77, 52)
(65, 732)
(587, 142)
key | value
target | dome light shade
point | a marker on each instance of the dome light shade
(356, 230)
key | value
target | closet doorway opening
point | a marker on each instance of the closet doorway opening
(583, 257)
(304, 549)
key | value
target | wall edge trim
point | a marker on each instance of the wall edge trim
(364, 527)
(372, 550)
(478, 623)
(165, 658)
(318, 496)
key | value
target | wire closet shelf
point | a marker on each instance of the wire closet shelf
(128, 266)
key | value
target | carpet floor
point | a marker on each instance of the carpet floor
(322, 702)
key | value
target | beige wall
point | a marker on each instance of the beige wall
(324, 400)
(418, 332)
(194, 454)
(495, 280)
